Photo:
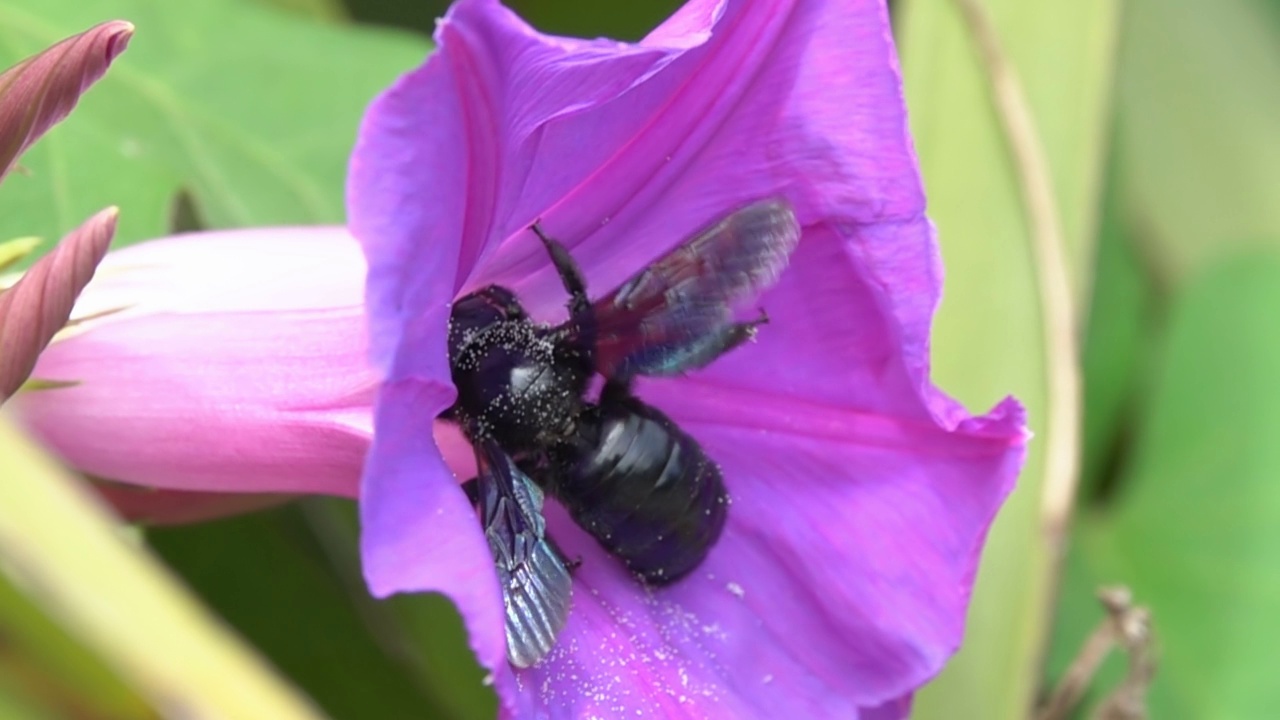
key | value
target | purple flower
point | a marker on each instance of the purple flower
(861, 494)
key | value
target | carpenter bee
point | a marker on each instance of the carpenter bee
(627, 474)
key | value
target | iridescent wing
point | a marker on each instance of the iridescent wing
(676, 314)
(536, 585)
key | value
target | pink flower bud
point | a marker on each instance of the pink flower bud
(41, 90)
(222, 361)
(37, 306)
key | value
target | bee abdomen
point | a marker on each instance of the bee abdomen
(648, 493)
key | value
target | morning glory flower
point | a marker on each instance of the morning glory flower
(861, 493)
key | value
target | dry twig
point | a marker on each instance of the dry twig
(1128, 628)
(1031, 163)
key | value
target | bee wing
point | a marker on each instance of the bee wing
(536, 585)
(667, 318)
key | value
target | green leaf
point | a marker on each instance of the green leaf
(251, 109)
(419, 15)
(1196, 530)
(15, 702)
(319, 9)
(69, 558)
(289, 580)
(1124, 323)
(1199, 94)
(16, 706)
(590, 18)
(45, 667)
(988, 339)
(429, 622)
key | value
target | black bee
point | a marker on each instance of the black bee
(627, 474)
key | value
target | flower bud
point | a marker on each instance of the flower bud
(41, 90)
(34, 309)
(232, 362)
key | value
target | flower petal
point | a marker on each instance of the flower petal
(153, 506)
(418, 530)
(38, 305)
(784, 97)
(897, 709)
(41, 90)
(254, 338)
(840, 582)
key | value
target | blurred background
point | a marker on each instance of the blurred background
(1161, 121)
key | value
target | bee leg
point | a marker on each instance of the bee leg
(738, 333)
(570, 275)
(722, 340)
(616, 390)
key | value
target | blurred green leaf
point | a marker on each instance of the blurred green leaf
(988, 336)
(1196, 530)
(49, 667)
(13, 251)
(251, 109)
(1124, 323)
(591, 18)
(416, 15)
(289, 580)
(15, 705)
(71, 559)
(434, 640)
(1198, 99)
(582, 18)
(432, 623)
(319, 9)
